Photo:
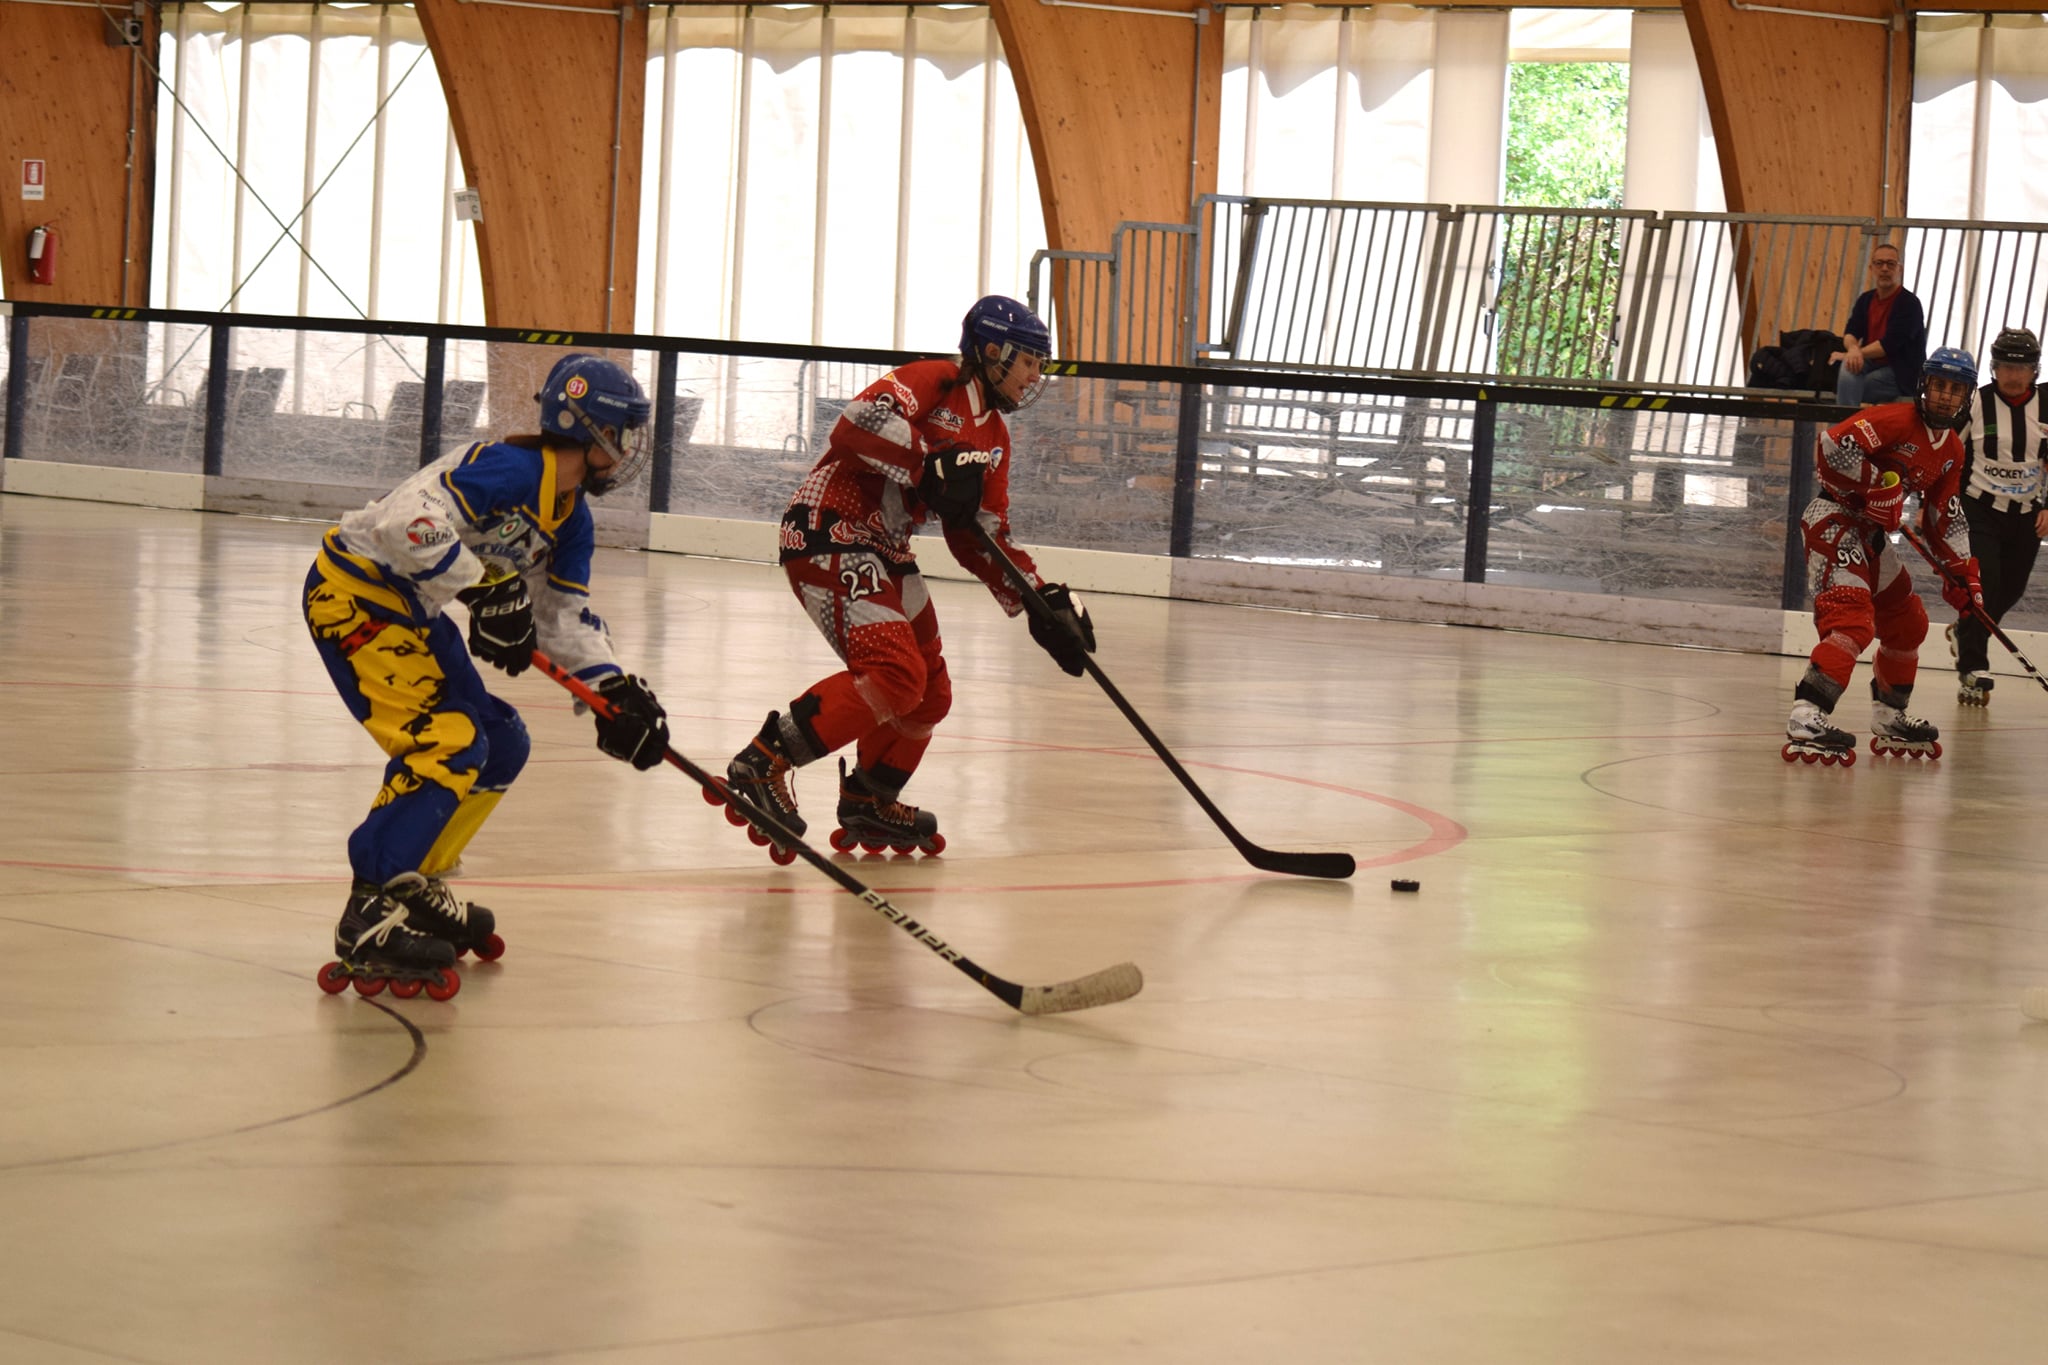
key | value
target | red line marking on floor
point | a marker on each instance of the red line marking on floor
(1444, 833)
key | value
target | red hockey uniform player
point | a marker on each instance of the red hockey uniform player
(927, 439)
(1860, 589)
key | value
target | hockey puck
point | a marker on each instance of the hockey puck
(1401, 884)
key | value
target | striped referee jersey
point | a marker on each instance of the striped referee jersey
(2005, 450)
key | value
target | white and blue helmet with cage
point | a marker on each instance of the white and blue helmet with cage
(588, 400)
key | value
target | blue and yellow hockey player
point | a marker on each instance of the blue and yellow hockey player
(504, 528)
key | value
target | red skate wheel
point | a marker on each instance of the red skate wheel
(444, 985)
(756, 837)
(842, 841)
(367, 986)
(938, 846)
(406, 990)
(1809, 756)
(780, 856)
(733, 817)
(714, 792)
(1827, 760)
(1849, 758)
(491, 949)
(1788, 754)
(871, 846)
(1936, 751)
(333, 978)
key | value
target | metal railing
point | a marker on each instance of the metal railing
(1127, 305)
(1688, 498)
(1670, 301)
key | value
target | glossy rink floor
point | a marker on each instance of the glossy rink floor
(1680, 1053)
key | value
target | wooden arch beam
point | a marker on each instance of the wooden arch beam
(534, 95)
(1109, 102)
(1799, 104)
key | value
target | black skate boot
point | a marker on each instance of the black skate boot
(872, 819)
(1973, 689)
(1811, 737)
(760, 775)
(374, 947)
(1895, 734)
(436, 910)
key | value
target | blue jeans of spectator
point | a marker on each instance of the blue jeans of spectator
(1877, 384)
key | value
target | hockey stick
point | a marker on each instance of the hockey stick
(1335, 865)
(1976, 608)
(1105, 987)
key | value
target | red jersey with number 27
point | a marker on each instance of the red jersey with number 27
(862, 493)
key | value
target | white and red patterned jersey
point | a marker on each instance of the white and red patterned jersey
(862, 493)
(1854, 456)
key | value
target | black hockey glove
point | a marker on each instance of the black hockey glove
(501, 624)
(637, 729)
(1067, 632)
(951, 485)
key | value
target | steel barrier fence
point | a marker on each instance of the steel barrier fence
(1682, 498)
(1665, 301)
(1128, 304)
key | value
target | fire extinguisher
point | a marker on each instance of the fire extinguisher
(42, 254)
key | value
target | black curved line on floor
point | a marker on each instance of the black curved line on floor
(1586, 779)
(97, 1352)
(412, 1062)
(1713, 708)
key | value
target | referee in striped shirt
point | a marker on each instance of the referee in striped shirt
(2004, 449)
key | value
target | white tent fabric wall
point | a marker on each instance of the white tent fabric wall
(1342, 107)
(1672, 160)
(203, 55)
(1980, 111)
(1403, 105)
(788, 218)
(1468, 111)
(219, 248)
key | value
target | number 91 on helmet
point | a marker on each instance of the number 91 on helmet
(590, 401)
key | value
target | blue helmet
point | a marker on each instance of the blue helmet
(1957, 366)
(1011, 328)
(588, 400)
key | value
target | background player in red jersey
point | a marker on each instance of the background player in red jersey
(926, 439)
(1860, 589)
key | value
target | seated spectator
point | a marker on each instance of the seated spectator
(1886, 339)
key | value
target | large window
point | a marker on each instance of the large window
(284, 182)
(853, 176)
(850, 176)
(1980, 114)
(1395, 104)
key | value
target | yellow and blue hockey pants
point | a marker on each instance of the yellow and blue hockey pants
(454, 747)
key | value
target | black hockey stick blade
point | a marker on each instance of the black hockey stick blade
(1976, 608)
(1105, 987)
(1335, 866)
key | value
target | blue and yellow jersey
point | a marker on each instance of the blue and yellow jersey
(488, 512)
